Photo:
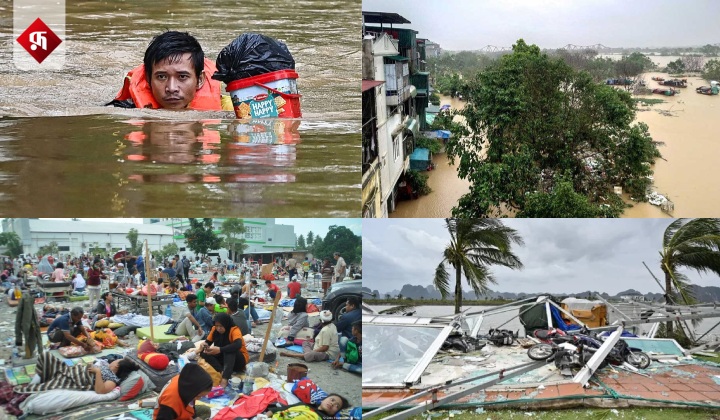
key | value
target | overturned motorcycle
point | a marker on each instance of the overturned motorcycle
(574, 351)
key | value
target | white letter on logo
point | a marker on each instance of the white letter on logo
(38, 40)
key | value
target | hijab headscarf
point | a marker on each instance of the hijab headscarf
(45, 267)
(193, 380)
(223, 319)
(300, 305)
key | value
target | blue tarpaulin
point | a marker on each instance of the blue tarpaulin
(420, 159)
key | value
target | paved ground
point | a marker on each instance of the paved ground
(329, 379)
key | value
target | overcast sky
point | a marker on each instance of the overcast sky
(302, 225)
(471, 25)
(559, 255)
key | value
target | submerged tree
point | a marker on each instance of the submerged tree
(534, 120)
(693, 244)
(475, 244)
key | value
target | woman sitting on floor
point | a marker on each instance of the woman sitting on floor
(224, 349)
(53, 373)
(297, 320)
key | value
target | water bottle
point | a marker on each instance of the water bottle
(168, 312)
(15, 353)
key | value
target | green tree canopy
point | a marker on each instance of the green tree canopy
(562, 201)
(233, 231)
(711, 70)
(12, 242)
(340, 239)
(310, 238)
(135, 246)
(49, 249)
(675, 67)
(475, 245)
(532, 119)
(301, 242)
(200, 237)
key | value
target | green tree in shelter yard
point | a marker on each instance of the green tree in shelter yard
(339, 239)
(135, 246)
(12, 242)
(301, 242)
(533, 121)
(50, 249)
(200, 237)
(233, 230)
(693, 244)
(475, 245)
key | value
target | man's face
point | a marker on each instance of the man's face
(192, 304)
(349, 306)
(75, 318)
(174, 83)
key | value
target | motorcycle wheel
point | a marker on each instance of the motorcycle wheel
(540, 351)
(638, 359)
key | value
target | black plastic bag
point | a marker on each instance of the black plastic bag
(251, 55)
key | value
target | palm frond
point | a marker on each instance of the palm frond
(477, 277)
(441, 281)
(670, 232)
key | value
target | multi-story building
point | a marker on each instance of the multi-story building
(392, 67)
(265, 239)
(76, 237)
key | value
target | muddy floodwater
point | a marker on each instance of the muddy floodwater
(685, 123)
(63, 154)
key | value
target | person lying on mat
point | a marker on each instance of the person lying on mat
(176, 398)
(102, 377)
(66, 327)
(327, 409)
(224, 349)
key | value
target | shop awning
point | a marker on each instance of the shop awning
(369, 84)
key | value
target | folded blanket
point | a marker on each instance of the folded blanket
(139, 321)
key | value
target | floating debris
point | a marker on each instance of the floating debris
(656, 199)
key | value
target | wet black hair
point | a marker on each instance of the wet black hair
(191, 297)
(60, 265)
(172, 45)
(354, 301)
(77, 311)
(357, 325)
(210, 285)
(104, 295)
(219, 299)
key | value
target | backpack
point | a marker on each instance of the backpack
(352, 355)
(186, 263)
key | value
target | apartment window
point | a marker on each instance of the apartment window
(63, 248)
(396, 147)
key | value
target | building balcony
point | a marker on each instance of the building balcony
(396, 97)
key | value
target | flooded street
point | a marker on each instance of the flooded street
(447, 188)
(685, 174)
(691, 151)
(205, 163)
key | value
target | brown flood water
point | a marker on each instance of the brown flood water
(685, 175)
(447, 187)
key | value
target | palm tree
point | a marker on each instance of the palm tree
(475, 244)
(694, 244)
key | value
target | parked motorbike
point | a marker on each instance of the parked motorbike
(576, 350)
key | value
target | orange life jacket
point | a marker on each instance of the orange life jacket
(136, 87)
(170, 397)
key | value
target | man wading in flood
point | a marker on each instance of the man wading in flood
(174, 75)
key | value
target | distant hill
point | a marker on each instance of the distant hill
(704, 294)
